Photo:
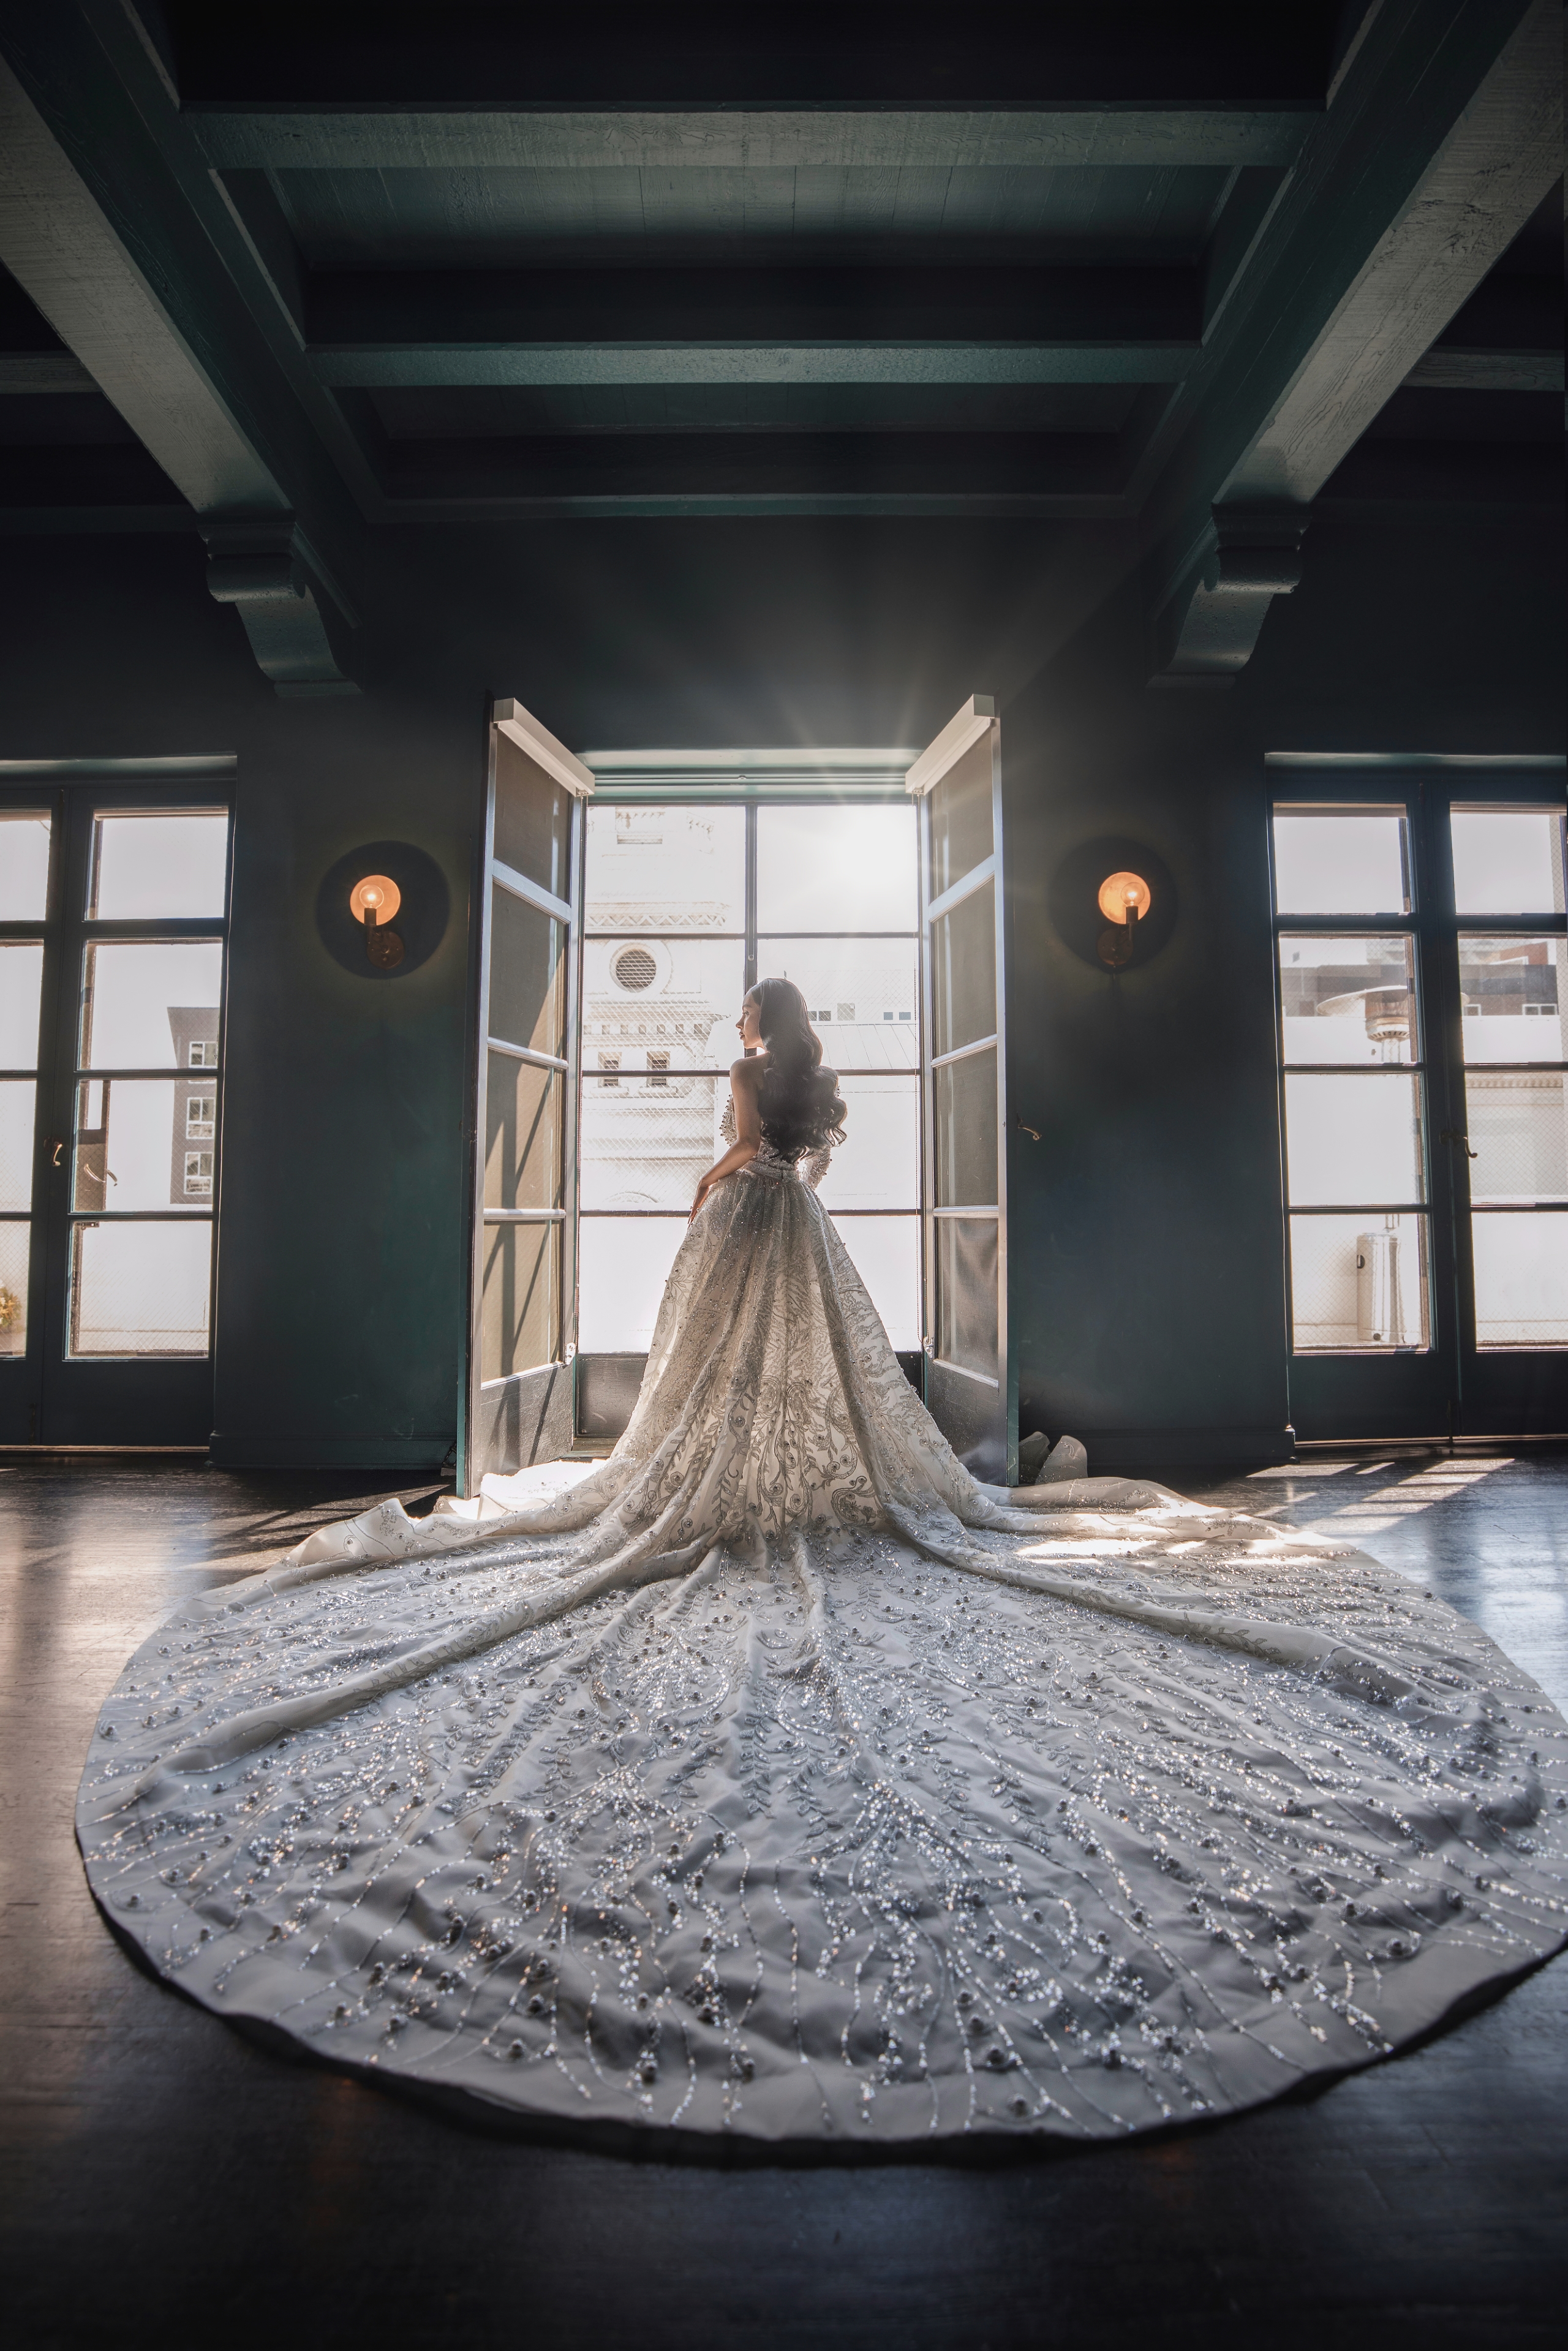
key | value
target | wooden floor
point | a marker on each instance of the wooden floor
(166, 2182)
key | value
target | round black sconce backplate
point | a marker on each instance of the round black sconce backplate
(1073, 897)
(420, 919)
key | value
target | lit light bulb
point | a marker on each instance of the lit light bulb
(374, 900)
(1121, 894)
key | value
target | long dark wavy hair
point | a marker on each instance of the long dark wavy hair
(798, 1098)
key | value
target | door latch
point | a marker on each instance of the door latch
(1457, 1134)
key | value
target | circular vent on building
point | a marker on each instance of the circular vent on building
(634, 967)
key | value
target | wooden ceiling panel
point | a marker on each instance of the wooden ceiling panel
(622, 216)
(497, 413)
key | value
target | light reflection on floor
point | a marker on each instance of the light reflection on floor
(1488, 1533)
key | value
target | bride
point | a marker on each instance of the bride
(778, 1782)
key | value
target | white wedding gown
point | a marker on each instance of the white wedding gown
(776, 1782)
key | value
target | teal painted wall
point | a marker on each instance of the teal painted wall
(1147, 1225)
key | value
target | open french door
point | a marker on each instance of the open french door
(970, 1390)
(517, 1405)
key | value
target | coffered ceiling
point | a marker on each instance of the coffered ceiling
(294, 274)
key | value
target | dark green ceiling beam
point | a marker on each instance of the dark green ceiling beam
(1445, 136)
(1448, 367)
(98, 233)
(1088, 138)
(739, 327)
(70, 258)
(454, 364)
(44, 372)
(957, 505)
(1507, 337)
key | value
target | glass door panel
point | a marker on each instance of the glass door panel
(967, 1319)
(1347, 1000)
(162, 866)
(140, 1289)
(520, 1312)
(143, 1144)
(144, 1157)
(964, 973)
(528, 974)
(21, 999)
(966, 1165)
(1332, 860)
(962, 817)
(25, 835)
(1507, 867)
(687, 901)
(1424, 1070)
(830, 868)
(886, 1252)
(532, 820)
(15, 1237)
(517, 1397)
(878, 1164)
(970, 1387)
(122, 990)
(1520, 1280)
(1351, 1084)
(1507, 861)
(647, 1135)
(525, 1133)
(1358, 1281)
(1515, 1008)
(675, 868)
(863, 994)
(18, 1114)
(1352, 1138)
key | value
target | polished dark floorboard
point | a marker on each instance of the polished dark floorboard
(167, 2182)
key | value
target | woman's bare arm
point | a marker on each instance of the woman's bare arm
(744, 1077)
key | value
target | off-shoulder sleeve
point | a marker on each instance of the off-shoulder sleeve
(814, 1165)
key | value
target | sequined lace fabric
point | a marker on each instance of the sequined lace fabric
(775, 1781)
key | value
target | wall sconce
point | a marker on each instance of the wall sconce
(1113, 903)
(363, 892)
(374, 901)
(1124, 900)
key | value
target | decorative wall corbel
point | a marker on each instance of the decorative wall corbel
(1205, 630)
(266, 569)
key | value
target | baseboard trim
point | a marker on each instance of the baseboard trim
(419, 1456)
(1140, 1448)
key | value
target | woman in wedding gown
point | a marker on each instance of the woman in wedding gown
(779, 1781)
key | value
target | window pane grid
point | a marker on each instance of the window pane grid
(148, 1084)
(1514, 1069)
(1353, 1068)
(685, 905)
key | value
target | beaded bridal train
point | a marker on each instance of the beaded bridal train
(775, 1782)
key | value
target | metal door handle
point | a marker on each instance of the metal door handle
(55, 1149)
(1454, 1135)
(1024, 1127)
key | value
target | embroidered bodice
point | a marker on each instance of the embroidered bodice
(771, 1165)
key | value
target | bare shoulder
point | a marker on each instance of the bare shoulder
(745, 1076)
